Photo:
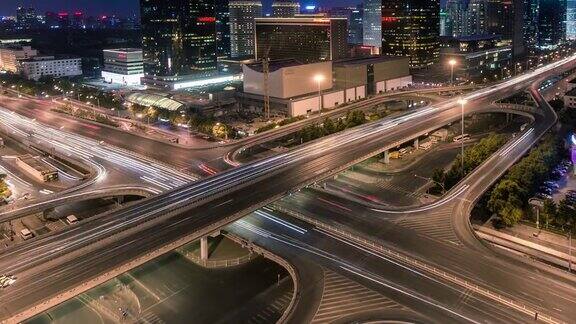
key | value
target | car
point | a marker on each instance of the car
(552, 184)
(545, 190)
(7, 280)
(543, 196)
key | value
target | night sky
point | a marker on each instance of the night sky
(120, 7)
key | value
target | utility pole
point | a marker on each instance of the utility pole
(266, 71)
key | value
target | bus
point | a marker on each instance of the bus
(462, 137)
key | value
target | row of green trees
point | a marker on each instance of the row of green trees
(85, 114)
(281, 123)
(61, 86)
(473, 157)
(561, 215)
(509, 198)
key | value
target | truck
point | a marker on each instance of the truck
(72, 219)
(26, 234)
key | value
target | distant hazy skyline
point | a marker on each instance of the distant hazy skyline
(120, 7)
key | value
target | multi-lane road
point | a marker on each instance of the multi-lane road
(48, 265)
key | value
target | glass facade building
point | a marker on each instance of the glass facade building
(571, 19)
(307, 40)
(372, 23)
(178, 40)
(242, 15)
(285, 8)
(223, 28)
(551, 23)
(412, 28)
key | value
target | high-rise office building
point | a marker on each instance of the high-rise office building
(476, 17)
(242, 15)
(178, 40)
(307, 40)
(444, 23)
(355, 26)
(26, 17)
(372, 23)
(571, 19)
(530, 22)
(412, 28)
(222, 28)
(354, 17)
(285, 8)
(456, 18)
(551, 23)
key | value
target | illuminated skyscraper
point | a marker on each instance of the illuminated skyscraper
(307, 40)
(285, 8)
(372, 23)
(223, 28)
(551, 23)
(178, 40)
(412, 28)
(242, 15)
(571, 19)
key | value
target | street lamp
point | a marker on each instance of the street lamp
(452, 62)
(319, 78)
(462, 102)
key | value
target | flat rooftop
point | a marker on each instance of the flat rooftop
(367, 60)
(275, 65)
(124, 50)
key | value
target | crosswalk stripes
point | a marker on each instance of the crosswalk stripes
(344, 297)
(387, 185)
(435, 224)
(274, 309)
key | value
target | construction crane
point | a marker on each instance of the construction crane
(266, 71)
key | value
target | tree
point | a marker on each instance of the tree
(329, 126)
(549, 211)
(511, 215)
(220, 130)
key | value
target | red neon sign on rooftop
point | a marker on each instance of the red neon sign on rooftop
(206, 19)
(390, 19)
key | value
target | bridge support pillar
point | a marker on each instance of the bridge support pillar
(416, 143)
(386, 156)
(119, 200)
(204, 248)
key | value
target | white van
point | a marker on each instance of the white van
(72, 219)
(26, 234)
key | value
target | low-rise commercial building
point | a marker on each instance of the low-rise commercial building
(477, 57)
(298, 89)
(10, 57)
(123, 66)
(37, 168)
(378, 73)
(57, 67)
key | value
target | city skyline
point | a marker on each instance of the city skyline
(125, 7)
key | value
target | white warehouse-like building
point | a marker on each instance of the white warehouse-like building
(295, 88)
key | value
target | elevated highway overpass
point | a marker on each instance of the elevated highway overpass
(56, 263)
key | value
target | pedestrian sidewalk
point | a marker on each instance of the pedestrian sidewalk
(523, 236)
